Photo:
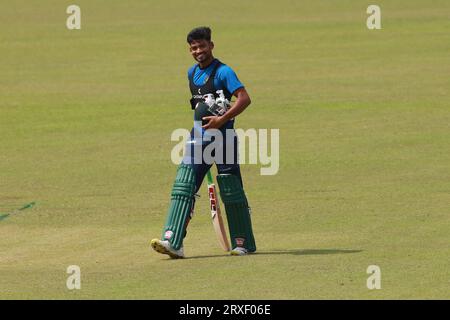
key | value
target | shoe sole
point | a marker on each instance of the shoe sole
(237, 253)
(161, 249)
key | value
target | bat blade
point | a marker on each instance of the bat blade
(216, 216)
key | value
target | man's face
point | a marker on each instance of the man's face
(201, 50)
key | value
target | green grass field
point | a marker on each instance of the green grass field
(85, 123)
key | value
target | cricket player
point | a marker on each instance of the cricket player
(212, 84)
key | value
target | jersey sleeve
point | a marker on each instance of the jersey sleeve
(229, 79)
(190, 70)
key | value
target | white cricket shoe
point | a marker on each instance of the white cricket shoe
(239, 251)
(164, 247)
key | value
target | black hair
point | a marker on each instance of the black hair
(200, 33)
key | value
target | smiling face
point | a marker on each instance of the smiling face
(201, 50)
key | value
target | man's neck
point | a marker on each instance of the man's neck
(206, 63)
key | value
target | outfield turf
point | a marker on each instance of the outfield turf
(364, 119)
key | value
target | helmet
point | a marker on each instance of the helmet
(201, 110)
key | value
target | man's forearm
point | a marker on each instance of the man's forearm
(241, 103)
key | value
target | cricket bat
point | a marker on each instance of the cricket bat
(216, 214)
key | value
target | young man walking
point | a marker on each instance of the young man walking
(212, 85)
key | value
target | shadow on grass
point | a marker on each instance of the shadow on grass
(297, 252)
(302, 252)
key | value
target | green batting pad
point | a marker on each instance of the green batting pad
(237, 210)
(181, 205)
